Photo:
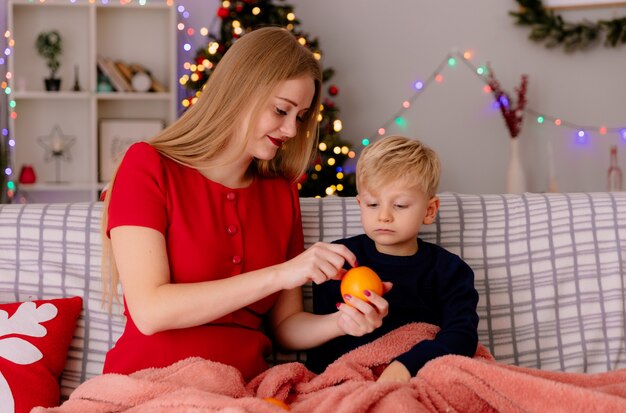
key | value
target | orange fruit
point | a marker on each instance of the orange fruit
(277, 402)
(359, 279)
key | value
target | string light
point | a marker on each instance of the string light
(451, 60)
(401, 122)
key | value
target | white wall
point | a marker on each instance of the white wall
(379, 48)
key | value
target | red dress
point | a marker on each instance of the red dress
(211, 232)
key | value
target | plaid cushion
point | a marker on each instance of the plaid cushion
(549, 270)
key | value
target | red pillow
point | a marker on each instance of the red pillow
(34, 339)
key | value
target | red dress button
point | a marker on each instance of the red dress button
(236, 259)
(231, 196)
(232, 230)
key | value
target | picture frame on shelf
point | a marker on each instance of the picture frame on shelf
(116, 135)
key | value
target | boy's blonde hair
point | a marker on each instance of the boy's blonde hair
(397, 158)
(247, 74)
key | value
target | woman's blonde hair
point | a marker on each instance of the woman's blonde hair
(241, 84)
(397, 158)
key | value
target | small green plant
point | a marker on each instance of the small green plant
(50, 46)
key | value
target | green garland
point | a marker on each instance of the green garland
(546, 26)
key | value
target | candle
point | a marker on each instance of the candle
(57, 145)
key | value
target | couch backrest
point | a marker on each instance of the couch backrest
(550, 271)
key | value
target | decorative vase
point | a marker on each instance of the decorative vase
(553, 186)
(615, 172)
(76, 87)
(53, 84)
(515, 179)
(27, 175)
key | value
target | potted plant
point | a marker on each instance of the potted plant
(49, 46)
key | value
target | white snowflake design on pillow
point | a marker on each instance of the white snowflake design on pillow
(26, 322)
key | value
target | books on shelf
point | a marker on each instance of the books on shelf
(129, 77)
(107, 67)
(124, 70)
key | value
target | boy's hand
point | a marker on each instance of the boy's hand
(361, 317)
(395, 372)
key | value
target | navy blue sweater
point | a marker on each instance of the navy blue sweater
(432, 286)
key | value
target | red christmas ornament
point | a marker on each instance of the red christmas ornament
(329, 103)
(239, 8)
(333, 90)
(223, 12)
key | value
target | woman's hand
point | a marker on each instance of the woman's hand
(359, 317)
(395, 372)
(320, 263)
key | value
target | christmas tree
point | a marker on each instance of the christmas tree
(326, 175)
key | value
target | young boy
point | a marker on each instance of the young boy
(397, 181)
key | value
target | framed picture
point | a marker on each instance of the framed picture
(116, 135)
(560, 4)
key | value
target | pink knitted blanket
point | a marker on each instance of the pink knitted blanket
(446, 384)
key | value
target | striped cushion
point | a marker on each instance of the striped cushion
(549, 271)
(57, 249)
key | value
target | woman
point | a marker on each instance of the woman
(202, 224)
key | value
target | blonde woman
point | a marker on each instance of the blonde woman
(202, 224)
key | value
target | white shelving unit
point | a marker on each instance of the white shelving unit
(131, 33)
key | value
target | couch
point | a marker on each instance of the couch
(550, 271)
